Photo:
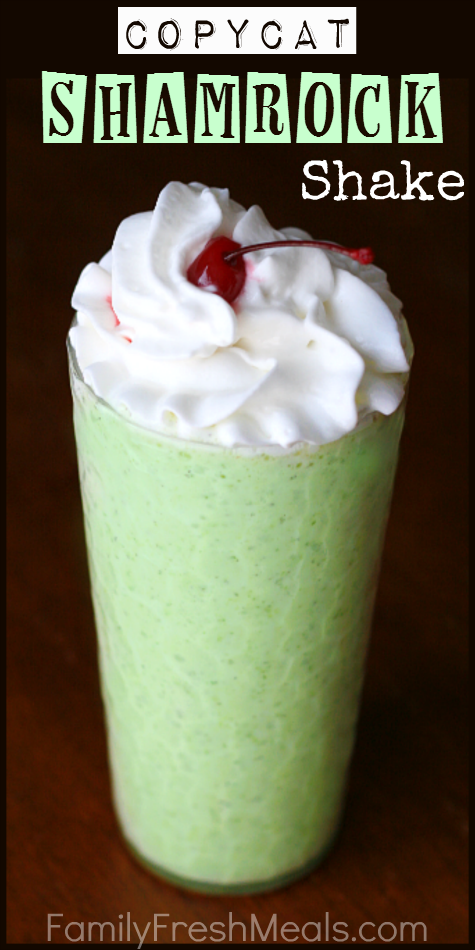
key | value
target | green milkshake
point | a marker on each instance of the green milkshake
(233, 587)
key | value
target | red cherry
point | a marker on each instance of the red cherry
(220, 269)
(211, 271)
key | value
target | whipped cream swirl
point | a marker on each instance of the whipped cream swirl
(313, 344)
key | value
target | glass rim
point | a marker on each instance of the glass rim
(245, 450)
(272, 448)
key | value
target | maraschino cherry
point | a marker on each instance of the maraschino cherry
(221, 270)
(212, 271)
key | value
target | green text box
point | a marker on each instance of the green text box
(217, 109)
(267, 108)
(115, 117)
(165, 108)
(319, 116)
(64, 100)
(420, 112)
(369, 117)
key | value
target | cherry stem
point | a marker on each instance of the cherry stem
(364, 255)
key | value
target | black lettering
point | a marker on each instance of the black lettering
(169, 116)
(201, 36)
(123, 111)
(161, 34)
(310, 109)
(311, 39)
(413, 110)
(273, 114)
(339, 31)
(227, 92)
(238, 32)
(264, 31)
(129, 30)
(61, 108)
(359, 110)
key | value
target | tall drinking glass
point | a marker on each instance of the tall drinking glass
(233, 590)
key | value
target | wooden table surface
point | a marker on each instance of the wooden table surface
(401, 855)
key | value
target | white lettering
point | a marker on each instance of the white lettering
(95, 923)
(75, 923)
(50, 925)
(384, 184)
(141, 936)
(212, 927)
(311, 923)
(294, 928)
(340, 928)
(203, 929)
(419, 923)
(368, 923)
(156, 925)
(272, 924)
(387, 923)
(175, 924)
(341, 184)
(410, 185)
(441, 185)
(308, 174)
(235, 923)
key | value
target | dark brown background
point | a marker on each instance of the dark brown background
(401, 855)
